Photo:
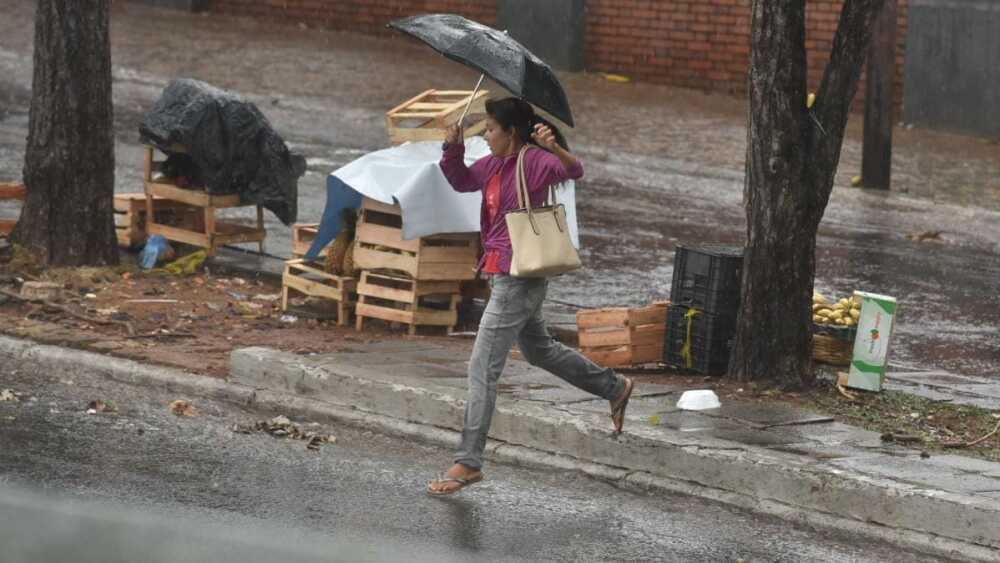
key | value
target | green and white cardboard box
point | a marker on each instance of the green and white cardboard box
(871, 345)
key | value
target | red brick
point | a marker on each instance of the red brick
(694, 43)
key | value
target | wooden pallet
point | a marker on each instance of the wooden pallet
(380, 246)
(403, 300)
(130, 217)
(619, 337)
(303, 235)
(10, 190)
(210, 233)
(309, 279)
(427, 116)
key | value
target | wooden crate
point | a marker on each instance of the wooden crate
(10, 190)
(310, 279)
(380, 246)
(427, 116)
(620, 336)
(130, 217)
(403, 300)
(208, 233)
(303, 235)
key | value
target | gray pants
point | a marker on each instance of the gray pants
(514, 312)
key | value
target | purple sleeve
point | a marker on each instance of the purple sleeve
(461, 177)
(542, 169)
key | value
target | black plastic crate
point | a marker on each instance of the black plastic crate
(711, 340)
(708, 277)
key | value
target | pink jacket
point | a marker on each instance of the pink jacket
(541, 170)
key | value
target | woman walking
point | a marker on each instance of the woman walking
(514, 311)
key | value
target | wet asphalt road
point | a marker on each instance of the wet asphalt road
(652, 178)
(201, 480)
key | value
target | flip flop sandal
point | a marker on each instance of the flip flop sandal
(463, 483)
(619, 405)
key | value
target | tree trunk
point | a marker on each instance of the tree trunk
(792, 155)
(876, 153)
(69, 165)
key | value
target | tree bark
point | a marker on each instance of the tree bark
(69, 166)
(876, 157)
(792, 156)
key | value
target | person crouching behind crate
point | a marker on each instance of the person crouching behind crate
(514, 311)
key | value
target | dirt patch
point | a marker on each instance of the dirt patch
(191, 322)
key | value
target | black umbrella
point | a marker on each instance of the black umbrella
(493, 53)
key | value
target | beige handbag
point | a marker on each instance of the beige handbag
(539, 237)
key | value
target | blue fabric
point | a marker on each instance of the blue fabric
(156, 247)
(339, 196)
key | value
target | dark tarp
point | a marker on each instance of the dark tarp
(230, 142)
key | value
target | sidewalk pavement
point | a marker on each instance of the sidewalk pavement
(782, 461)
(936, 385)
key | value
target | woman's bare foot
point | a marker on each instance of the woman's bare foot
(457, 477)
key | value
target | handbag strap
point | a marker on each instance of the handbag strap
(523, 199)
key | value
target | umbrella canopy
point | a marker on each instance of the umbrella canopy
(494, 54)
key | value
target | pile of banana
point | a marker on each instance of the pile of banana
(844, 312)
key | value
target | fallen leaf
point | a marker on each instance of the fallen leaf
(100, 406)
(181, 407)
(924, 236)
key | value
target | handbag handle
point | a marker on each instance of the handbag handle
(523, 198)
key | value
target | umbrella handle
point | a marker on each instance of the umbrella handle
(471, 98)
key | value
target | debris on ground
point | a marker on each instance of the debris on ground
(8, 395)
(977, 440)
(901, 438)
(282, 427)
(185, 265)
(925, 236)
(98, 406)
(180, 407)
(41, 291)
(618, 78)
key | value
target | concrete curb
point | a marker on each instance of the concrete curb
(298, 406)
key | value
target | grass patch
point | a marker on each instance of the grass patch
(932, 424)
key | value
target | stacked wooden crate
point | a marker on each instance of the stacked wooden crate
(427, 116)
(415, 282)
(620, 337)
(130, 217)
(303, 235)
(209, 233)
(312, 280)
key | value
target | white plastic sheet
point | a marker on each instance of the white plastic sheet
(409, 174)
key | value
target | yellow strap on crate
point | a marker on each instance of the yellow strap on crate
(686, 350)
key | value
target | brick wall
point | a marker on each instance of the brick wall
(704, 43)
(700, 44)
(364, 16)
